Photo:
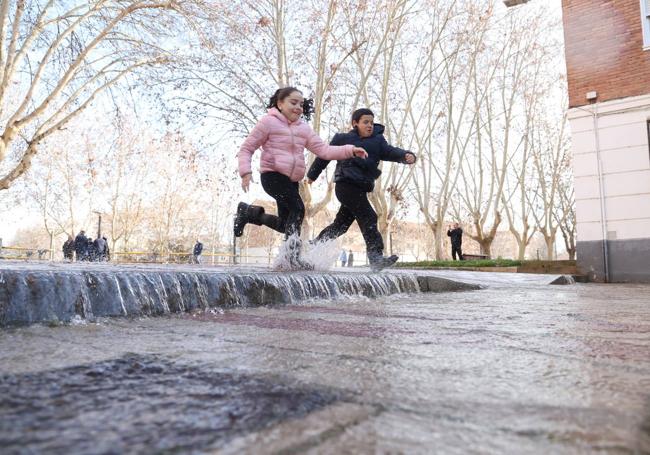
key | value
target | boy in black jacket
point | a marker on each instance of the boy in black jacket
(355, 178)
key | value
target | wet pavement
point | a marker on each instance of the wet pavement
(517, 367)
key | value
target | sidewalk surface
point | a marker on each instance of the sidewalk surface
(518, 367)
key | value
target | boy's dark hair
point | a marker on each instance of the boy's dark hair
(282, 93)
(356, 115)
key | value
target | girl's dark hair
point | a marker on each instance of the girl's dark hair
(356, 115)
(282, 93)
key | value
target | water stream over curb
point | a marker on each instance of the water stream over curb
(47, 293)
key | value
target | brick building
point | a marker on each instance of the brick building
(608, 65)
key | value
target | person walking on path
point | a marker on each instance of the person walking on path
(196, 253)
(355, 178)
(283, 135)
(68, 249)
(99, 248)
(350, 259)
(91, 250)
(343, 257)
(456, 235)
(81, 246)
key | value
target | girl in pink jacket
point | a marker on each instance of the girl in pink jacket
(283, 135)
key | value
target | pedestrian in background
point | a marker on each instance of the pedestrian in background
(81, 246)
(107, 251)
(343, 257)
(456, 235)
(196, 253)
(91, 252)
(99, 247)
(68, 249)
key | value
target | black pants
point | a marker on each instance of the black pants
(456, 249)
(291, 210)
(355, 206)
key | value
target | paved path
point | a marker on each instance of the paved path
(519, 367)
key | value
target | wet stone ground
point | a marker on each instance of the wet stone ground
(143, 403)
(518, 367)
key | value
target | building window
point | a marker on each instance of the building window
(645, 17)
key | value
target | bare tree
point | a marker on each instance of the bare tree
(443, 124)
(42, 189)
(511, 65)
(62, 184)
(57, 57)
(389, 190)
(565, 215)
(125, 169)
(549, 158)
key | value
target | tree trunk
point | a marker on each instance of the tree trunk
(486, 246)
(550, 243)
(312, 208)
(521, 250)
(383, 225)
(438, 237)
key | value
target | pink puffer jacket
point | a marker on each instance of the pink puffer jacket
(283, 146)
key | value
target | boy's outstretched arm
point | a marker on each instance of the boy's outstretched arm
(320, 164)
(316, 168)
(396, 154)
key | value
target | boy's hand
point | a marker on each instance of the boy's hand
(359, 152)
(409, 158)
(246, 182)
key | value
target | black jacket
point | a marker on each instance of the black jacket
(198, 248)
(80, 244)
(456, 236)
(358, 171)
(68, 247)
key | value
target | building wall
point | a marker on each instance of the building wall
(604, 49)
(622, 144)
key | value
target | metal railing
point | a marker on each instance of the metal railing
(147, 257)
(17, 252)
(173, 257)
(141, 257)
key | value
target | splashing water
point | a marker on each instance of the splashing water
(319, 255)
(322, 255)
(78, 320)
(282, 262)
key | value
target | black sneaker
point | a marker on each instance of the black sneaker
(241, 218)
(383, 262)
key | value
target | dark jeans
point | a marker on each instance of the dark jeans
(355, 206)
(456, 249)
(291, 210)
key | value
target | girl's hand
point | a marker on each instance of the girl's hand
(246, 182)
(409, 158)
(360, 153)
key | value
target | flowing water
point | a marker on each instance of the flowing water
(517, 367)
(62, 292)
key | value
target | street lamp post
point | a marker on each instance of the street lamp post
(99, 223)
